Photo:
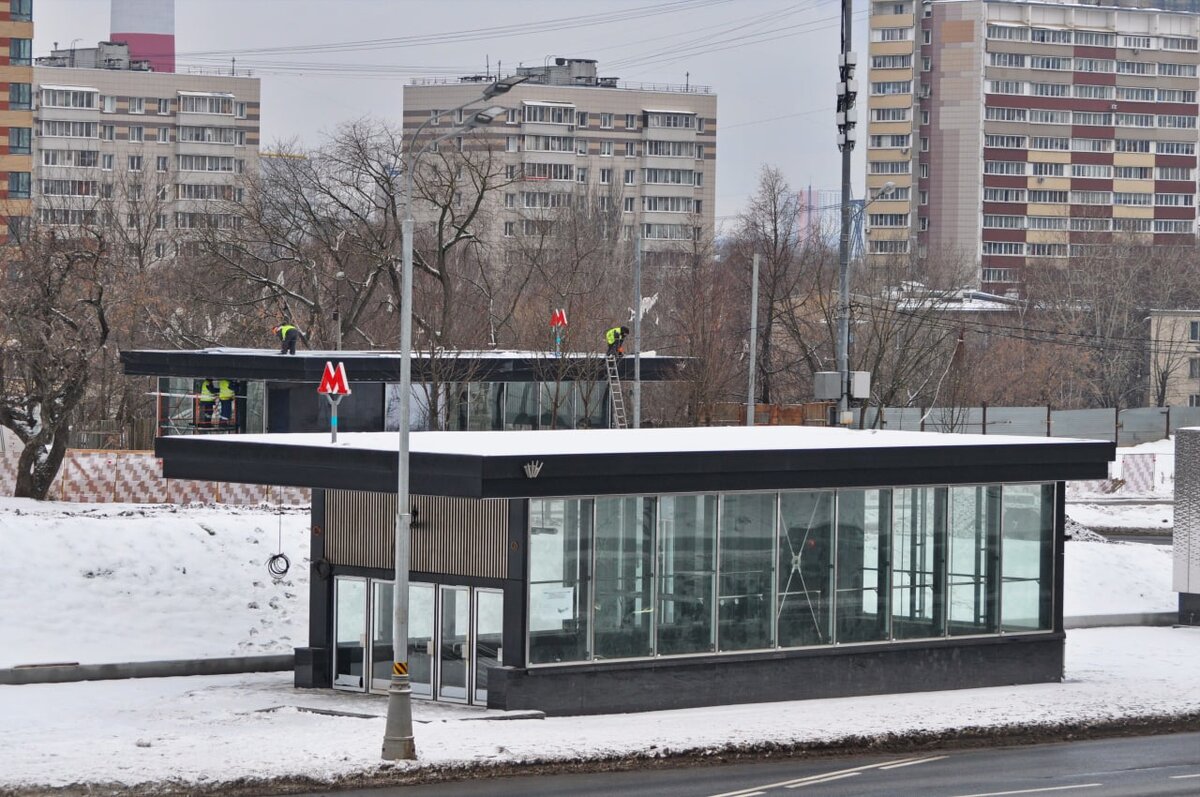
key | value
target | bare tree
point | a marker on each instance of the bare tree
(53, 322)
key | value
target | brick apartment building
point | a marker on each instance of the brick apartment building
(16, 115)
(647, 149)
(1018, 135)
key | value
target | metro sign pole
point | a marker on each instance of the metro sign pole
(334, 386)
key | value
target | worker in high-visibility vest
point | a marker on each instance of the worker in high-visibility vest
(615, 338)
(288, 334)
(208, 399)
(226, 394)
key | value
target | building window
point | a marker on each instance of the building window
(926, 63)
(999, 275)
(19, 185)
(164, 106)
(606, 149)
(137, 133)
(605, 176)
(135, 163)
(581, 118)
(1194, 400)
(630, 149)
(924, 195)
(20, 52)
(20, 140)
(581, 174)
(21, 10)
(628, 204)
(606, 121)
(435, 115)
(137, 105)
(162, 163)
(163, 136)
(106, 162)
(510, 200)
(924, 171)
(924, 223)
(631, 121)
(1194, 331)
(581, 146)
(926, 36)
(1194, 368)
(20, 96)
(630, 176)
(510, 229)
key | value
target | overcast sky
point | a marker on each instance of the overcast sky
(771, 62)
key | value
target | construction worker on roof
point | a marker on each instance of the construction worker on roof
(615, 338)
(288, 334)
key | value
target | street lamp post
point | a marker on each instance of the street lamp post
(398, 733)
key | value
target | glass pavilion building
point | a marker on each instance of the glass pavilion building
(621, 570)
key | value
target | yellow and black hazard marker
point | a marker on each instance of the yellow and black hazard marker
(399, 668)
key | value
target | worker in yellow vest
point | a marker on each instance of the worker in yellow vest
(208, 398)
(288, 334)
(226, 394)
(615, 338)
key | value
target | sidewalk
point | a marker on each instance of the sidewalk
(219, 734)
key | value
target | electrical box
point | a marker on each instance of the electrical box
(827, 385)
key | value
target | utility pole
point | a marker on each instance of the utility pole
(637, 332)
(753, 340)
(847, 117)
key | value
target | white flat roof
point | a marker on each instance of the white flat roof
(641, 441)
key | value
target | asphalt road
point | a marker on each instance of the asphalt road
(1129, 767)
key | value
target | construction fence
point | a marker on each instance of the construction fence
(136, 477)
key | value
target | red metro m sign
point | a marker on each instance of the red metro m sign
(334, 381)
(334, 385)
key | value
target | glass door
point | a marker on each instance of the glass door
(350, 632)
(381, 634)
(489, 635)
(454, 650)
(420, 638)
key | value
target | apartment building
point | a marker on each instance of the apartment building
(1021, 135)
(16, 113)
(571, 136)
(160, 151)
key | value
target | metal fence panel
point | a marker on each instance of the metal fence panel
(1086, 424)
(1184, 416)
(1026, 421)
(1142, 425)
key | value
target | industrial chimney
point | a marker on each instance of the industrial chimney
(148, 27)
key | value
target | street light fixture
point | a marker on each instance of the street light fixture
(398, 733)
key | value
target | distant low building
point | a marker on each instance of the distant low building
(1174, 354)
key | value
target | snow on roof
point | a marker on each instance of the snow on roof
(641, 441)
(487, 354)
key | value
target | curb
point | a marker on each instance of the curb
(1111, 620)
(64, 673)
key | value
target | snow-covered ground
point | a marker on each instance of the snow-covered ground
(122, 583)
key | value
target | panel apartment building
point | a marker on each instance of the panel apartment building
(1018, 135)
(112, 136)
(648, 149)
(16, 112)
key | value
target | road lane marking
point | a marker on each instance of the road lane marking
(913, 762)
(1033, 791)
(787, 784)
(828, 779)
(1182, 777)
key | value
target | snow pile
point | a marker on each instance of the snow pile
(99, 583)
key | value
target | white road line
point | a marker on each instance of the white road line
(1182, 777)
(830, 778)
(899, 764)
(1032, 791)
(787, 784)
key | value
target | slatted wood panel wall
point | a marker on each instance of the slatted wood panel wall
(452, 536)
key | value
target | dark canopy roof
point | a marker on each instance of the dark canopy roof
(633, 461)
(384, 366)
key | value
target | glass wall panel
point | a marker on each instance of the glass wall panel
(489, 635)
(520, 405)
(1027, 557)
(687, 556)
(350, 631)
(745, 603)
(974, 527)
(918, 562)
(558, 405)
(420, 638)
(864, 534)
(805, 568)
(591, 408)
(623, 618)
(559, 535)
(485, 406)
